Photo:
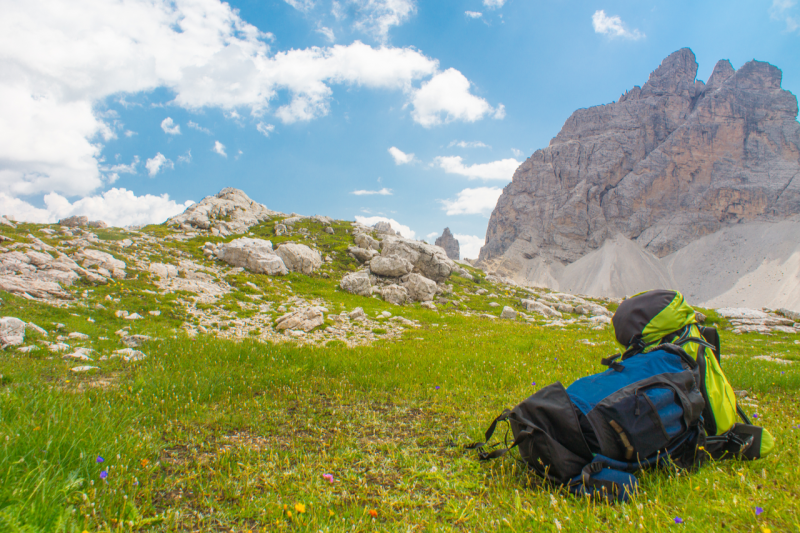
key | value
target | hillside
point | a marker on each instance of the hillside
(150, 385)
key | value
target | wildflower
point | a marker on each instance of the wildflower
(765, 530)
(678, 520)
(289, 514)
(300, 507)
(100, 459)
(436, 387)
(328, 477)
(103, 474)
(533, 384)
(330, 512)
(759, 510)
(558, 524)
(755, 415)
(144, 462)
(373, 513)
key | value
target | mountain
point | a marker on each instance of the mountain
(667, 164)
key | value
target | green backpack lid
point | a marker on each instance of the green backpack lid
(651, 315)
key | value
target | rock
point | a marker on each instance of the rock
(741, 312)
(700, 317)
(6, 222)
(357, 313)
(508, 312)
(12, 331)
(361, 254)
(564, 308)
(133, 341)
(481, 292)
(163, 270)
(32, 286)
(652, 168)
(464, 273)
(430, 261)
(154, 313)
(256, 255)
(590, 308)
(121, 314)
(329, 230)
(357, 283)
(386, 314)
(74, 222)
(37, 329)
(280, 229)
(58, 347)
(99, 224)
(601, 319)
(80, 354)
(384, 228)
(494, 304)
(299, 258)
(391, 266)
(420, 288)
(304, 319)
(449, 244)
(87, 368)
(129, 355)
(103, 260)
(28, 349)
(368, 243)
(533, 306)
(77, 335)
(134, 316)
(794, 315)
(229, 212)
(394, 294)
(430, 305)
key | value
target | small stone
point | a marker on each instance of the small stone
(134, 316)
(386, 314)
(135, 340)
(79, 336)
(329, 230)
(357, 313)
(155, 313)
(700, 317)
(130, 355)
(12, 331)
(84, 368)
(58, 347)
(28, 349)
(509, 313)
(494, 304)
(120, 314)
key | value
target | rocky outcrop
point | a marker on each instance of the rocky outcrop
(450, 244)
(299, 258)
(256, 255)
(229, 212)
(78, 221)
(667, 164)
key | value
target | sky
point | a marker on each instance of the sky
(412, 111)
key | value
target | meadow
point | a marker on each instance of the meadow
(212, 434)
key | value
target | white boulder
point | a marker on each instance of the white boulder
(256, 255)
(299, 258)
(420, 288)
(304, 319)
(357, 283)
(12, 331)
(390, 266)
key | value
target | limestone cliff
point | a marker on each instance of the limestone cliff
(667, 164)
(450, 244)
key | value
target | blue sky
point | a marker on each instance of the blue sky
(126, 110)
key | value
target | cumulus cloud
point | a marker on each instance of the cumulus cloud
(116, 207)
(265, 129)
(220, 148)
(122, 168)
(400, 157)
(469, 246)
(468, 144)
(382, 192)
(170, 127)
(477, 201)
(156, 163)
(613, 26)
(473, 14)
(446, 97)
(377, 17)
(496, 170)
(57, 67)
(783, 10)
(198, 127)
(494, 4)
(517, 153)
(405, 231)
(186, 158)
(301, 5)
(431, 237)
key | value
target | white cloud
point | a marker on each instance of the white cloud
(265, 129)
(494, 4)
(376, 17)
(431, 237)
(517, 153)
(116, 207)
(382, 192)
(478, 201)
(613, 26)
(468, 144)
(122, 168)
(170, 127)
(473, 14)
(198, 127)
(400, 157)
(301, 5)
(129, 133)
(496, 170)
(158, 162)
(327, 33)
(405, 231)
(220, 148)
(446, 97)
(185, 158)
(469, 246)
(782, 10)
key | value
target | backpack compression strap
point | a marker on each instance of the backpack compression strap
(484, 455)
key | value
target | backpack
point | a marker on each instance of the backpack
(648, 409)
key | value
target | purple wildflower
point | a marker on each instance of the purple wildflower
(533, 384)
(103, 474)
(100, 459)
(328, 477)
(759, 510)
(755, 415)
(437, 387)
(678, 520)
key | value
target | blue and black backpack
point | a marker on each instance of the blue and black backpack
(656, 405)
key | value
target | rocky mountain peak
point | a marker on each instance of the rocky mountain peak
(450, 244)
(664, 166)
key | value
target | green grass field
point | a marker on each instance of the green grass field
(209, 434)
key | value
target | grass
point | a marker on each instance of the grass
(208, 434)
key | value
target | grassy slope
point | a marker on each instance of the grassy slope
(208, 434)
